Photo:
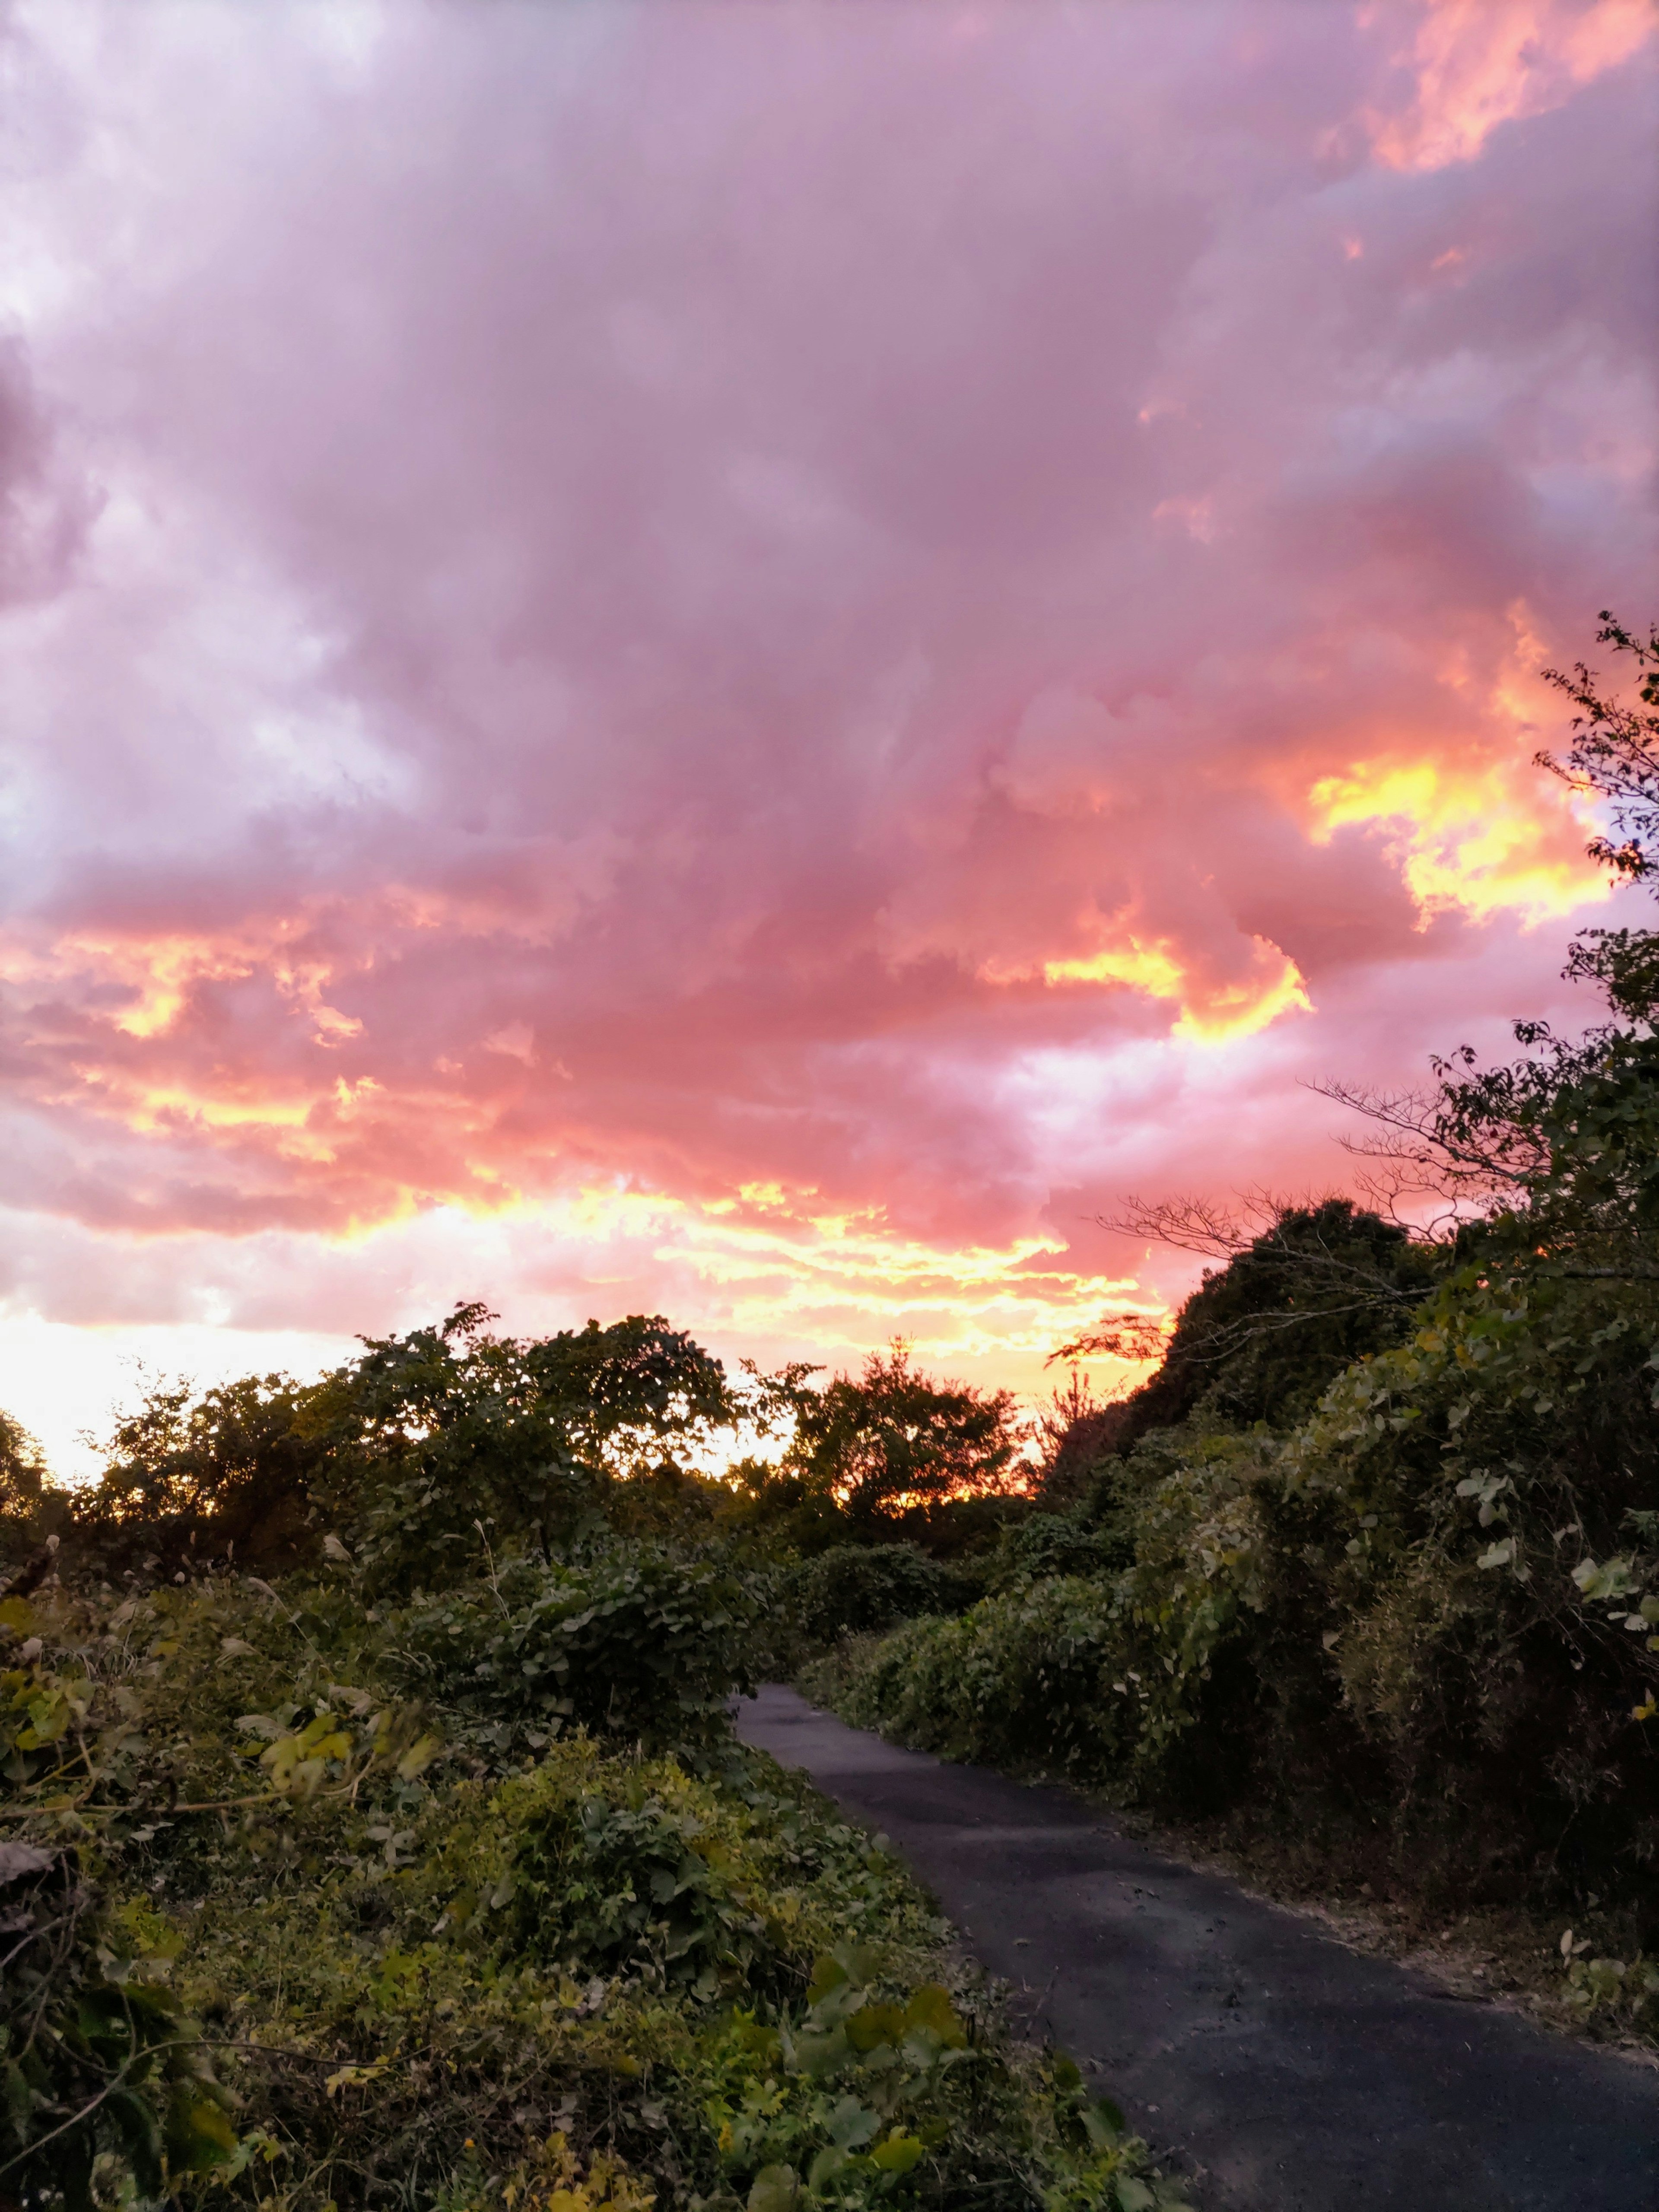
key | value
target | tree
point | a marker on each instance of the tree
(450, 1438)
(1614, 753)
(22, 1468)
(1554, 1158)
(633, 1388)
(896, 1439)
(30, 1508)
(1314, 1289)
(416, 1454)
(230, 1475)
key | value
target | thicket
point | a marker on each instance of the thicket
(373, 1833)
(1376, 1552)
(852, 1590)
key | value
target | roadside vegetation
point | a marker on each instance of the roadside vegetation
(372, 1834)
(1363, 1584)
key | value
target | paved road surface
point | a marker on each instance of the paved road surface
(1299, 2076)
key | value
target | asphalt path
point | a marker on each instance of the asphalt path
(1283, 2071)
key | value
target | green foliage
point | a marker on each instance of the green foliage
(641, 1888)
(23, 1486)
(364, 1887)
(631, 1390)
(231, 1474)
(1100, 1677)
(315, 1957)
(1261, 1338)
(438, 1434)
(895, 1439)
(1070, 1543)
(1435, 1599)
(1626, 1992)
(404, 1455)
(852, 1588)
(97, 2055)
(628, 1643)
(868, 2090)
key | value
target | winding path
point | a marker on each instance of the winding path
(1291, 2074)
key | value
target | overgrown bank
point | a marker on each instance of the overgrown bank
(372, 1832)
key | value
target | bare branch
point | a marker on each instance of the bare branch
(1187, 1225)
(1134, 1336)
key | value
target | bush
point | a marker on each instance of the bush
(315, 1947)
(852, 1588)
(1046, 1544)
(642, 1889)
(630, 1643)
(1432, 1607)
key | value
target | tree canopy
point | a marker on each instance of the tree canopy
(894, 1438)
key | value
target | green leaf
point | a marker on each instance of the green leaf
(199, 2137)
(827, 1974)
(931, 2008)
(898, 2153)
(774, 2188)
(873, 2025)
(861, 1963)
(830, 2162)
(1609, 1580)
(141, 2135)
(818, 2057)
(19, 2098)
(419, 1756)
(1105, 2123)
(851, 2124)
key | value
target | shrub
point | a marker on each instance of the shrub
(852, 1588)
(628, 1644)
(305, 1954)
(1045, 1544)
(1435, 1605)
(644, 1889)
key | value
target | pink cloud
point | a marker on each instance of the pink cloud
(693, 602)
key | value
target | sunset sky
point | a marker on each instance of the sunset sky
(742, 660)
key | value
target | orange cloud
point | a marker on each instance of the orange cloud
(1482, 840)
(771, 1268)
(1481, 63)
(159, 973)
(1212, 1012)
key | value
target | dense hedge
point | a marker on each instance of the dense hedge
(852, 1588)
(1434, 1602)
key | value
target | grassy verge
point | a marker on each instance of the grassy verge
(281, 1938)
